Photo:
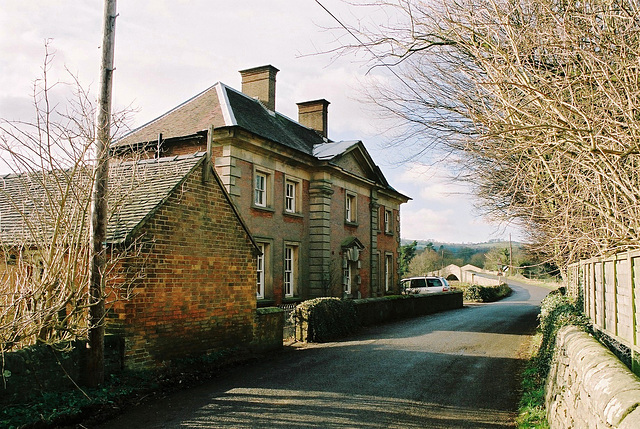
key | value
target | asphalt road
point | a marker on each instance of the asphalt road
(457, 369)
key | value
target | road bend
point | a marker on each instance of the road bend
(456, 369)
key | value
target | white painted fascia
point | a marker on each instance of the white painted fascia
(225, 106)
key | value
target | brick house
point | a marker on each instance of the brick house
(323, 215)
(191, 279)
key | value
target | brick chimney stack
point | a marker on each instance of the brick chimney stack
(260, 83)
(314, 114)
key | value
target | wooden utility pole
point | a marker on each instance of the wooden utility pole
(94, 374)
(510, 256)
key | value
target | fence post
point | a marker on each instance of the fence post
(615, 294)
(635, 365)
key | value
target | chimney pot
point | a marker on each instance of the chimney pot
(314, 114)
(260, 83)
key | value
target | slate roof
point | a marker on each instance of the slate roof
(136, 191)
(222, 106)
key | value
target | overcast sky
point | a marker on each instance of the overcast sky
(169, 50)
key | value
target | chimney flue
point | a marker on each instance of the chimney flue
(260, 83)
(314, 114)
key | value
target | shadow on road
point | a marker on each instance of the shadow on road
(457, 369)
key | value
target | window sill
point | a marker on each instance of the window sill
(264, 209)
(391, 234)
(293, 214)
(349, 223)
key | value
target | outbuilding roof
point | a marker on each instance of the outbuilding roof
(32, 205)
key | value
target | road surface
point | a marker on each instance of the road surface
(456, 369)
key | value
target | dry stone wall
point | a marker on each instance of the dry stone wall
(588, 387)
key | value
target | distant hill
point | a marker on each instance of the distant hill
(456, 247)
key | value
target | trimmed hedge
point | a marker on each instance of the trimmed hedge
(326, 319)
(487, 293)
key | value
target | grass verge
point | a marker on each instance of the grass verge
(531, 410)
(556, 310)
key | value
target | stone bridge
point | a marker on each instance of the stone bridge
(468, 274)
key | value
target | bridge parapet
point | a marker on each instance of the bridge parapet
(466, 274)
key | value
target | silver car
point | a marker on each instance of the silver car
(424, 284)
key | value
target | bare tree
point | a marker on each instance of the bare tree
(538, 101)
(424, 263)
(45, 221)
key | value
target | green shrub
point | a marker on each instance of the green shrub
(557, 310)
(486, 293)
(327, 318)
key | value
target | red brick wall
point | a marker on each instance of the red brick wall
(198, 293)
(276, 227)
(389, 243)
(185, 147)
(340, 231)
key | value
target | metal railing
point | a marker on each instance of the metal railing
(289, 322)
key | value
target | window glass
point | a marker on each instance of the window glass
(387, 221)
(260, 271)
(350, 208)
(260, 190)
(387, 272)
(289, 270)
(290, 197)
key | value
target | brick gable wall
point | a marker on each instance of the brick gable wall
(198, 294)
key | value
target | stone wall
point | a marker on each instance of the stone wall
(374, 311)
(268, 330)
(588, 387)
(39, 369)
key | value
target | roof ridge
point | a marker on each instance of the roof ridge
(168, 112)
(197, 154)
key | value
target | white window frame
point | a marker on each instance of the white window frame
(351, 207)
(260, 192)
(292, 195)
(388, 271)
(388, 221)
(260, 270)
(346, 276)
(290, 269)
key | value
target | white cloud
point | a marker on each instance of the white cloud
(168, 51)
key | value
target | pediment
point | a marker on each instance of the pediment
(358, 162)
